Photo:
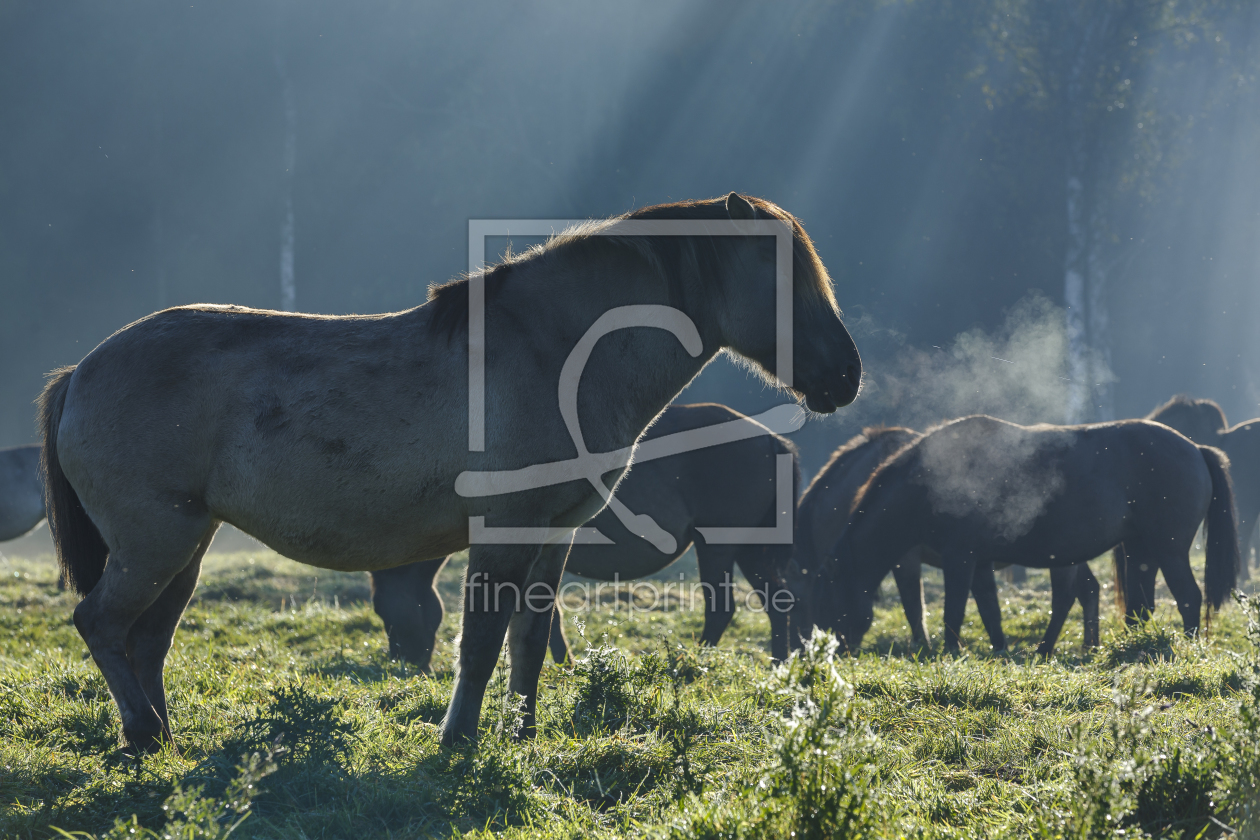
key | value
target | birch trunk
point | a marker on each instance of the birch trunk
(1074, 300)
(159, 224)
(288, 283)
(1099, 360)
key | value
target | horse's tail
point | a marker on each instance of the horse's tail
(1120, 561)
(1221, 568)
(80, 549)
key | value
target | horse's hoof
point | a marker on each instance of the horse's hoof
(456, 739)
(140, 745)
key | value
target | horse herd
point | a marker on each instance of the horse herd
(338, 442)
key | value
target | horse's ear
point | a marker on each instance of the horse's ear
(739, 208)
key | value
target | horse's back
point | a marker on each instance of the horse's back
(1146, 477)
(21, 493)
(301, 430)
(1038, 494)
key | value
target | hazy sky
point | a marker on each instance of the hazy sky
(143, 146)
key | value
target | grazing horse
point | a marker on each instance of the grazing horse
(21, 491)
(729, 485)
(1204, 422)
(344, 442)
(979, 491)
(824, 512)
(820, 519)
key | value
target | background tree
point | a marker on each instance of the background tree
(1091, 70)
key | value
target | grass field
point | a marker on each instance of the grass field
(645, 735)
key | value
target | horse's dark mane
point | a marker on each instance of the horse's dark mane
(673, 258)
(449, 301)
(869, 434)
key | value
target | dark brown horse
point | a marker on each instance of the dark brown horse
(729, 485)
(1199, 420)
(1204, 422)
(979, 491)
(821, 518)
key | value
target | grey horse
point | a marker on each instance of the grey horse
(824, 512)
(353, 443)
(733, 484)
(21, 491)
(979, 491)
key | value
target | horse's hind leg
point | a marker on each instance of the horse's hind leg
(411, 609)
(909, 577)
(1088, 592)
(984, 588)
(1246, 538)
(492, 589)
(149, 639)
(134, 579)
(1063, 581)
(717, 565)
(1185, 589)
(529, 630)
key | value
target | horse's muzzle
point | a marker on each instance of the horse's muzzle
(827, 400)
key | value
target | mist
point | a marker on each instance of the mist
(1018, 372)
(327, 157)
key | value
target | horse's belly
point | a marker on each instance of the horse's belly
(20, 511)
(349, 531)
(1064, 540)
(620, 561)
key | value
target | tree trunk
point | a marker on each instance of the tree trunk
(1099, 329)
(1078, 373)
(159, 225)
(288, 284)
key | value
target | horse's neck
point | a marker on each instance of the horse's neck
(622, 391)
(893, 526)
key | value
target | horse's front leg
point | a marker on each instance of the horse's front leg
(984, 588)
(495, 581)
(958, 574)
(909, 577)
(530, 629)
(1139, 584)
